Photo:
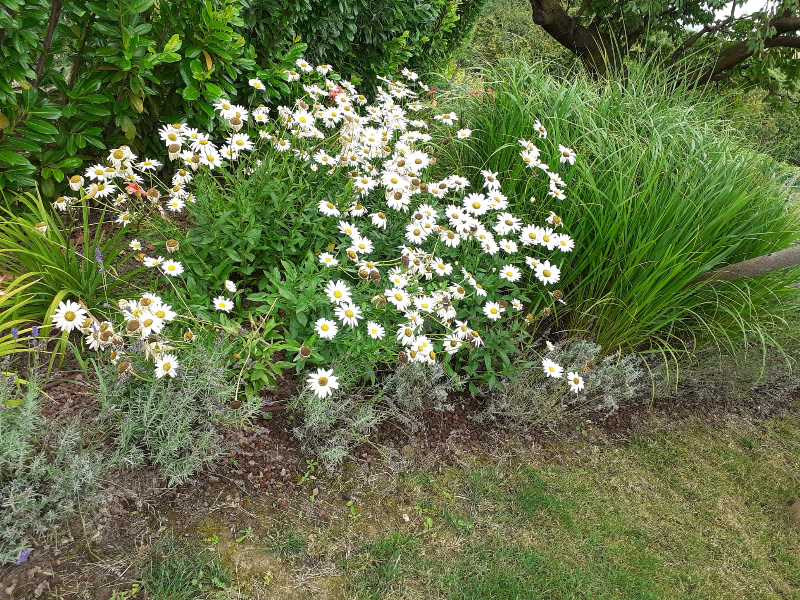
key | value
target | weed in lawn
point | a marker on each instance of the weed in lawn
(178, 572)
(387, 562)
(286, 543)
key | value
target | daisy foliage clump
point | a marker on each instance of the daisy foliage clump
(416, 265)
(423, 266)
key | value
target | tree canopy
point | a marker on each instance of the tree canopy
(723, 41)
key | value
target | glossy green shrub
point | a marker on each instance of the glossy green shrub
(80, 76)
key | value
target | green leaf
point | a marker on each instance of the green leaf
(71, 162)
(41, 126)
(47, 112)
(190, 92)
(13, 158)
(213, 91)
(174, 44)
(134, 7)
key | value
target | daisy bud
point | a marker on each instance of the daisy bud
(174, 151)
(423, 186)
(529, 318)
(547, 312)
(172, 245)
(194, 162)
(375, 275)
(235, 123)
(415, 182)
(432, 355)
(117, 341)
(41, 227)
(139, 256)
(379, 300)
(589, 366)
(154, 195)
(305, 352)
(364, 274)
(352, 254)
(124, 368)
(132, 326)
(106, 336)
(406, 261)
(558, 294)
(188, 336)
(75, 182)
(402, 358)
(122, 304)
(387, 148)
(503, 303)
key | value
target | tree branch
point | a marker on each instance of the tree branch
(694, 38)
(737, 53)
(783, 259)
(55, 10)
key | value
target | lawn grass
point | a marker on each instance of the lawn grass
(686, 513)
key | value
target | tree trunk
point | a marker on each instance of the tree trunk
(597, 50)
(774, 261)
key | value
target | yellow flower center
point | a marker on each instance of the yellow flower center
(546, 273)
(166, 366)
(324, 327)
(348, 313)
(69, 316)
(494, 311)
(323, 381)
(551, 369)
(148, 322)
(118, 154)
(161, 314)
(337, 294)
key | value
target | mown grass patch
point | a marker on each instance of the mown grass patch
(686, 512)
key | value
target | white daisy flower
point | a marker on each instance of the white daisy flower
(349, 314)
(551, 368)
(567, 154)
(338, 292)
(510, 273)
(167, 365)
(493, 310)
(575, 382)
(375, 330)
(150, 262)
(222, 303)
(322, 382)
(327, 259)
(328, 208)
(326, 329)
(548, 273)
(68, 316)
(172, 268)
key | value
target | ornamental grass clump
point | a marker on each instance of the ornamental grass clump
(663, 193)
